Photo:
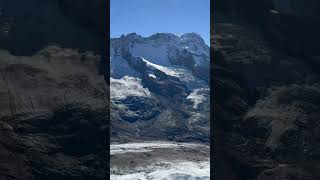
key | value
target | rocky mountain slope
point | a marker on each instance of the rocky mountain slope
(159, 87)
(266, 91)
(54, 104)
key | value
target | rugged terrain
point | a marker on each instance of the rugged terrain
(53, 102)
(159, 88)
(266, 90)
(160, 160)
(159, 92)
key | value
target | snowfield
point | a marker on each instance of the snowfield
(161, 169)
(199, 96)
(171, 171)
(127, 86)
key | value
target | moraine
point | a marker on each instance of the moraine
(159, 160)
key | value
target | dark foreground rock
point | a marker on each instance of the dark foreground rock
(265, 103)
(64, 144)
(53, 102)
(54, 116)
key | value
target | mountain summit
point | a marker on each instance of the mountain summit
(160, 87)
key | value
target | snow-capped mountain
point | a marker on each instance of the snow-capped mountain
(160, 81)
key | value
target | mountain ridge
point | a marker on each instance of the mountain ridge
(190, 35)
(162, 72)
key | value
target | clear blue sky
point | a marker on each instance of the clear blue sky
(146, 17)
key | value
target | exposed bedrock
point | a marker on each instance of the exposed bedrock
(265, 105)
(54, 104)
(53, 116)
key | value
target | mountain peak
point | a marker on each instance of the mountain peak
(161, 47)
(192, 36)
(131, 36)
(164, 36)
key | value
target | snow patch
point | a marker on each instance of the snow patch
(127, 86)
(152, 76)
(135, 176)
(184, 170)
(163, 69)
(171, 171)
(198, 96)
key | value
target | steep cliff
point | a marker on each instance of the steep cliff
(159, 88)
(54, 104)
(266, 95)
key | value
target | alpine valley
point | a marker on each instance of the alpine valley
(160, 105)
(159, 88)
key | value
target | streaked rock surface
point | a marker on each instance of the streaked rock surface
(160, 160)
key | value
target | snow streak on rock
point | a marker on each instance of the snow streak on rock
(127, 86)
(149, 146)
(199, 96)
(166, 70)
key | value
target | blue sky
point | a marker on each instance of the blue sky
(146, 17)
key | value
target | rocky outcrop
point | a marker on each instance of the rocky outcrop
(54, 106)
(54, 112)
(265, 106)
(63, 144)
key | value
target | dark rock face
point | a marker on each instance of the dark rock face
(285, 172)
(136, 109)
(54, 112)
(26, 30)
(64, 144)
(54, 104)
(183, 58)
(265, 102)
